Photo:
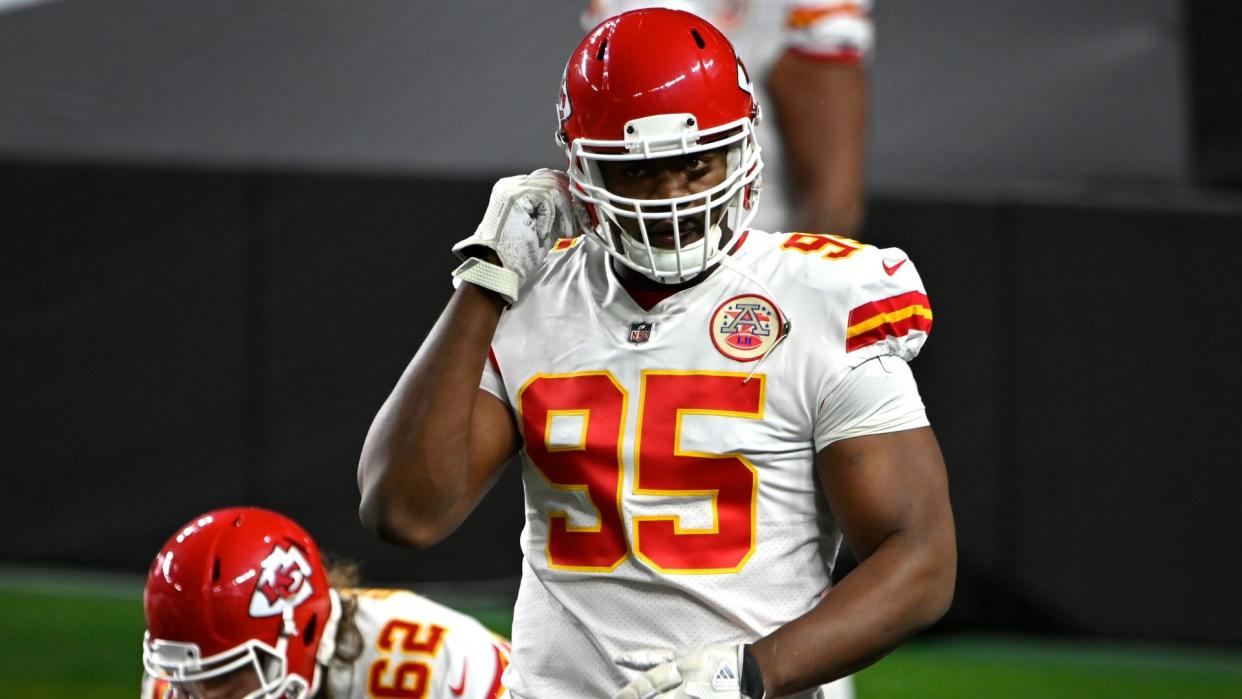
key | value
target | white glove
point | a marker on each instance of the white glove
(526, 214)
(711, 672)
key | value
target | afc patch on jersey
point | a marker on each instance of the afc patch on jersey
(746, 327)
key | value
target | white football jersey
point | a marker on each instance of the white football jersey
(412, 647)
(761, 30)
(668, 457)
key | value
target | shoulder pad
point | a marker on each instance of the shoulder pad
(876, 298)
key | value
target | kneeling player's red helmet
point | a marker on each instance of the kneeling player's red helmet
(240, 589)
(656, 83)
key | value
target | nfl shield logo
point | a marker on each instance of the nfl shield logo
(639, 333)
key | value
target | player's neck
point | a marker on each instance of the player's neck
(647, 292)
(633, 279)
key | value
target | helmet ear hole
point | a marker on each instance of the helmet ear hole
(308, 634)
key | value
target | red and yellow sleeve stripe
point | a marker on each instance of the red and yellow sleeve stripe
(848, 46)
(803, 17)
(895, 316)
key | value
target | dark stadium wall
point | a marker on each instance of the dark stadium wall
(176, 340)
(1213, 57)
(1085, 391)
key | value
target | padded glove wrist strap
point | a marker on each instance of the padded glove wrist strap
(488, 276)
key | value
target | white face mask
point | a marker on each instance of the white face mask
(734, 199)
(183, 666)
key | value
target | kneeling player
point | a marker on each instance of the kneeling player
(239, 604)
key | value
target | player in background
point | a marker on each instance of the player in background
(240, 604)
(808, 58)
(704, 411)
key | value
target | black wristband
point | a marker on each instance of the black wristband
(752, 678)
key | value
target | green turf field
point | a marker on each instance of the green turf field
(79, 636)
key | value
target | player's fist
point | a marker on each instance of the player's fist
(525, 215)
(711, 672)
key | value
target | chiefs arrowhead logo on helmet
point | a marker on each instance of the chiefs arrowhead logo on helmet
(743, 78)
(284, 582)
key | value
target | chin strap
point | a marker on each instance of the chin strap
(665, 261)
(327, 642)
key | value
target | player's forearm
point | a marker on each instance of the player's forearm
(415, 464)
(903, 587)
(822, 111)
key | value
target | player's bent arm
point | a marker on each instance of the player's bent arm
(439, 441)
(889, 494)
(821, 107)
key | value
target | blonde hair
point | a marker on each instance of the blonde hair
(342, 575)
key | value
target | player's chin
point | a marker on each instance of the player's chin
(666, 240)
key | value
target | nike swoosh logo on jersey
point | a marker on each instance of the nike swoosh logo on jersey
(893, 269)
(461, 686)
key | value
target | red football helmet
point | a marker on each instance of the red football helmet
(240, 588)
(655, 83)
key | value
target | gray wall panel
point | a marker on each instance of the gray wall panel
(981, 92)
(999, 93)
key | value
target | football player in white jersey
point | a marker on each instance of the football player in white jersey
(809, 60)
(239, 604)
(704, 411)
